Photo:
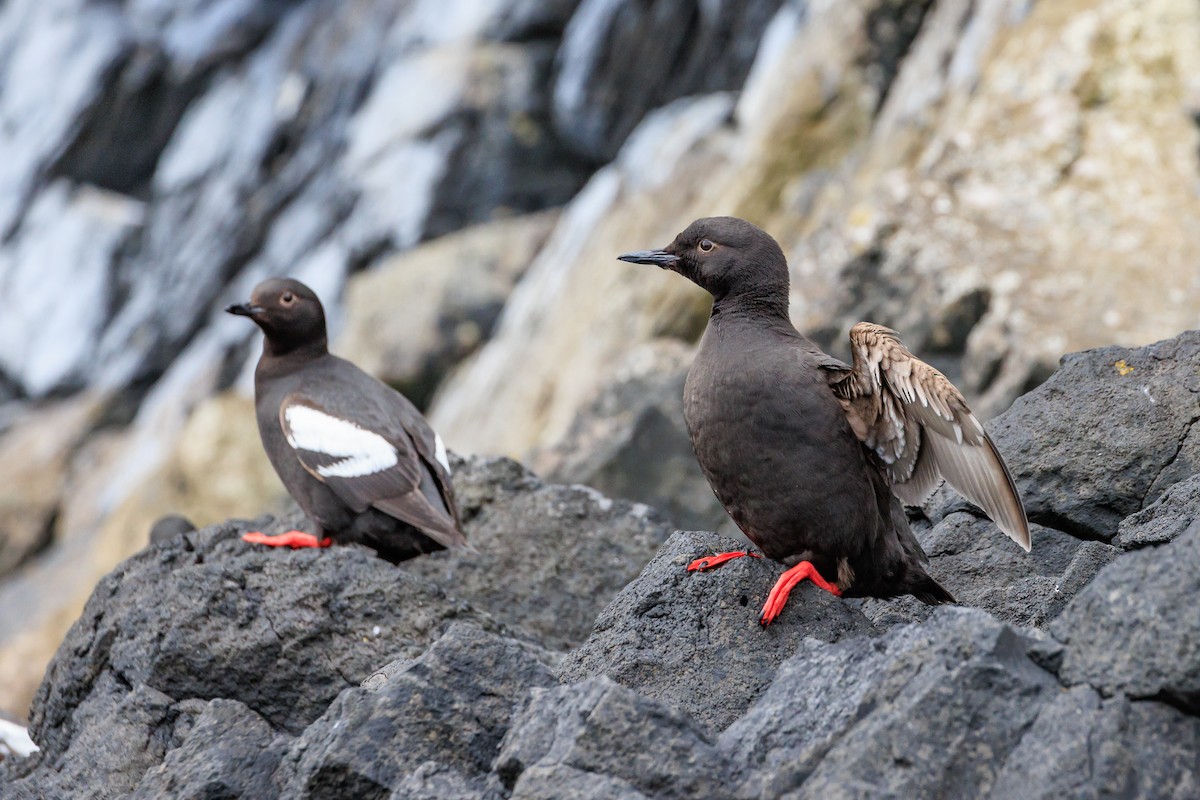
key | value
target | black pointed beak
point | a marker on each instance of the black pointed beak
(659, 258)
(245, 310)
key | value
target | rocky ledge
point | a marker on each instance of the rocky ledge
(546, 666)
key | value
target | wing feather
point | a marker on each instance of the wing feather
(921, 428)
(384, 469)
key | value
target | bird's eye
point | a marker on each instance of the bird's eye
(287, 299)
(706, 245)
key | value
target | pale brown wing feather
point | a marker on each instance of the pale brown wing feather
(921, 428)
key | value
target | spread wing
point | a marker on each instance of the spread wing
(375, 466)
(920, 426)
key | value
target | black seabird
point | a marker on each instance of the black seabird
(811, 456)
(356, 455)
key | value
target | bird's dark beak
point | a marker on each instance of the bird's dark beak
(245, 310)
(659, 258)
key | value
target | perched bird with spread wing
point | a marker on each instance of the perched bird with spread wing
(811, 456)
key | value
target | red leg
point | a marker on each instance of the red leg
(715, 561)
(291, 539)
(778, 597)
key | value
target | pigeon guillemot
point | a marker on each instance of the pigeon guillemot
(355, 454)
(809, 455)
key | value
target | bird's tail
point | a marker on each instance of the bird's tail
(929, 591)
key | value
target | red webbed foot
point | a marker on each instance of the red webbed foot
(293, 539)
(710, 562)
(778, 597)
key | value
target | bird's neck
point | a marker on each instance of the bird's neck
(281, 358)
(762, 306)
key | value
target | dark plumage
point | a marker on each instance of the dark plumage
(356, 455)
(808, 454)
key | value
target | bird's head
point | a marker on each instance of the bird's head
(289, 313)
(729, 257)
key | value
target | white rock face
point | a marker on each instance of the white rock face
(577, 309)
(54, 283)
(47, 78)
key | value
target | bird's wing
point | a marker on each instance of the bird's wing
(921, 428)
(368, 467)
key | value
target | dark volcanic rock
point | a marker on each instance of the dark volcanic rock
(924, 711)
(207, 616)
(229, 752)
(982, 567)
(599, 739)
(550, 557)
(1098, 441)
(1084, 746)
(1169, 516)
(451, 706)
(1135, 628)
(692, 640)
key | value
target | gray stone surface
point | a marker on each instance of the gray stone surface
(450, 706)
(229, 751)
(1082, 745)
(599, 739)
(983, 568)
(1134, 629)
(1177, 511)
(206, 616)
(692, 640)
(549, 558)
(923, 711)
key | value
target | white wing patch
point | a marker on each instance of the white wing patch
(439, 452)
(361, 451)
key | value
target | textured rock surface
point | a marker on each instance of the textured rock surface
(1175, 512)
(1082, 745)
(207, 616)
(574, 741)
(692, 640)
(1134, 628)
(981, 567)
(218, 471)
(538, 541)
(228, 751)
(907, 715)
(451, 706)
